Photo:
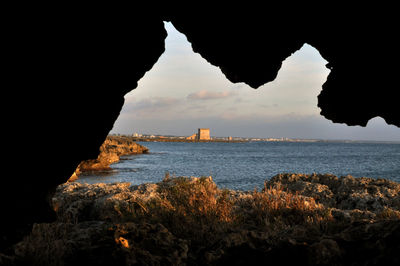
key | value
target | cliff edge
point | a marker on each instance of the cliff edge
(110, 152)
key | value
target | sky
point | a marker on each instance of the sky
(183, 92)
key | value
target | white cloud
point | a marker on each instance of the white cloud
(210, 95)
(151, 106)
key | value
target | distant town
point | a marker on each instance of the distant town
(203, 135)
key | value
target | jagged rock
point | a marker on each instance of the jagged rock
(100, 243)
(99, 223)
(344, 193)
(110, 152)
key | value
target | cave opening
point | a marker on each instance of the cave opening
(183, 92)
(311, 217)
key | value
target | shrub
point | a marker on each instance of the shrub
(275, 209)
(191, 208)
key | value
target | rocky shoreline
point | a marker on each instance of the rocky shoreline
(110, 152)
(300, 219)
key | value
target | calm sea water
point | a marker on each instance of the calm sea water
(245, 166)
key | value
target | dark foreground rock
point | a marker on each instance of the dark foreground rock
(297, 219)
(110, 152)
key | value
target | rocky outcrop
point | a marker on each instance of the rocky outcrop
(110, 152)
(368, 196)
(100, 243)
(297, 219)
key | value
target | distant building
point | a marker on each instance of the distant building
(203, 134)
(194, 136)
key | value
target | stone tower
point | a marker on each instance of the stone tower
(203, 134)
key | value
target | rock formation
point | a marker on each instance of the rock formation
(67, 72)
(110, 152)
(326, 221)
(348, 196)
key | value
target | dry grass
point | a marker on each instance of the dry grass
(274, 204)
(195, 210)
(199, 211)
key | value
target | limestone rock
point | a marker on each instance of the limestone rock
(110, 152)
(346, 192)
(118, 223)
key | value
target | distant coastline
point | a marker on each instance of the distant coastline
(177, 139)
(170, 138)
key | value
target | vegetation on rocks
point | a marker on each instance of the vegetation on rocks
(301, 219)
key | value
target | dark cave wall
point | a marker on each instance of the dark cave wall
(357, 45)
(67, 74)
(245, 52)
(67, 79)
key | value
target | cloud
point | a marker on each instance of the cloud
(153, 104)
(209, 95)
(268, 106)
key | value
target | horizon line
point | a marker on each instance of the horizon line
(276, 138)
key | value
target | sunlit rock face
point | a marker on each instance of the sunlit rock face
(67, 73)
(110, 152)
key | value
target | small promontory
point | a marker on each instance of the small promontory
(110, 152)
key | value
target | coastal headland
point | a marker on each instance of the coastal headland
(299, 219)
(110, 152)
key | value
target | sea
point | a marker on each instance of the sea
(246, 165)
